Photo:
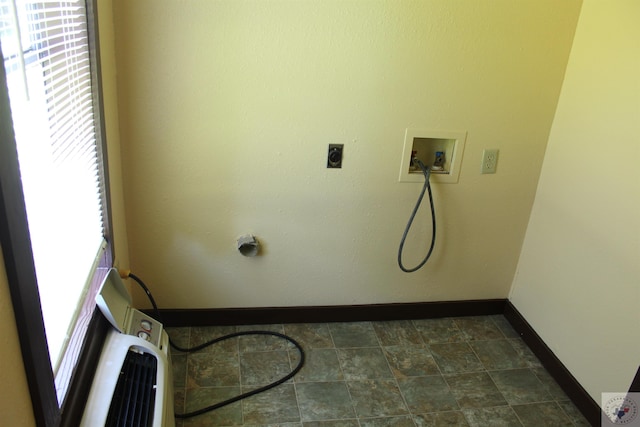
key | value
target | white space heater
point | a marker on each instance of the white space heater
(133, 384)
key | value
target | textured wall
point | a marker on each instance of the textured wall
(578, 280)
(226, 110)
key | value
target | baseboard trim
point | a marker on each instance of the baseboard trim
(578, 395)
(635, 384)
(340, 313)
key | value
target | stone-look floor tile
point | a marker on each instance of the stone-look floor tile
(198, 398)
(179, 395)
(334, 423)
(400, 332)
(250, 343)
(204, 334)
(497, 354)
(427, 394)
(499, 416)
(376, 398)
(180, 337)
(179, 365)
(550, 384)
(542, 414)
(351, 335)
(363, 363)
(505, 327)
(310, 335)
(441, 419)
(324, 401)
(474, 390)
(212, 370)
(275, 406)
(438, 330)
(525, 353)
(455, 358)
(520, 386)
(573, 413)
(320, 365)
(478, 328)
(410, 361)
(263, 367)
(431, 372)
(404, 421)
(274, 425)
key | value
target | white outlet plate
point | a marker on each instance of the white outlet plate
(489, 160)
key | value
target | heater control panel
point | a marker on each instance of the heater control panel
(145, 327)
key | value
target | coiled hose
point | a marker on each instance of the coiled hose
(216, 340)
(427, 173)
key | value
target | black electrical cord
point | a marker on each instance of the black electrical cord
(427, 172)
(216, 340)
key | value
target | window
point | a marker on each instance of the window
(53, 188)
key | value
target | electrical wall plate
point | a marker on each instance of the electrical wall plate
(334, 156)
(425, 144)
(489, 160)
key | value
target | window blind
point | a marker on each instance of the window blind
(47, 61)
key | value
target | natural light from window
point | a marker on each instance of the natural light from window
(46, 58)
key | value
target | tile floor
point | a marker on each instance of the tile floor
(467, 371)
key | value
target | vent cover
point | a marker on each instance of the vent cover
(134, 397)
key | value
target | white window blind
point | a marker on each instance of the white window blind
(47, 61)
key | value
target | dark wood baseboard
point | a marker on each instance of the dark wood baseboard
(583, 401)
(635, 384)
(319, 314)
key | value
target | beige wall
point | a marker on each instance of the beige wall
(578, 280)
(227, 108)
(15, 402)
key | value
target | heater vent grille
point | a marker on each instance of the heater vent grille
(134, 397)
